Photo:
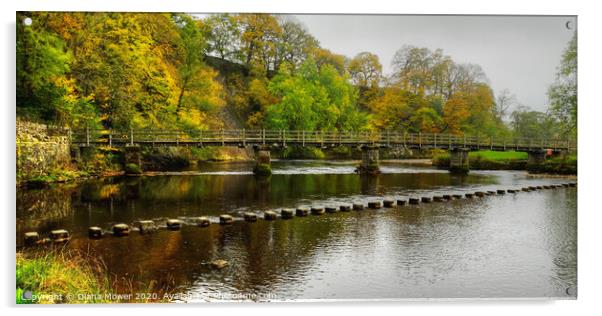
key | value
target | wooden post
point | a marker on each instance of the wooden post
(303, 139)
(435, 135)
(322, 138)
(420, 140)
(388, 138)
(244, 137)
(283, 138)
(263, 136)
(87, 136)
(222, 136)
(131, 136)
(110, 138)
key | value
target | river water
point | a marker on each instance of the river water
(505, 246)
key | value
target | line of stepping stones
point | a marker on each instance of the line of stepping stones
(146, 226)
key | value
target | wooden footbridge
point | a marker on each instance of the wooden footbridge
(242, 138)
(370, 142)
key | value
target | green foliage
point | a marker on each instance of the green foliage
(487, 160)
(563, 93)
(57, 275)
(298, 152)
(498, 155)
(313, 99)
(118, 69)
(533, 124)
(557, 165)
(132, 168)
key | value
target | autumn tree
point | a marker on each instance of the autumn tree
(365, 70)
(45, 89)
(324, 57)
(259, 41)
(295, 44)
(223, 36)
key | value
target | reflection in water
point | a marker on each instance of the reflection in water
(520, 245)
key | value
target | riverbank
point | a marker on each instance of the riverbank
(512, 160)
(60, 276)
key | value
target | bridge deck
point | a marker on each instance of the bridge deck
(310, 138)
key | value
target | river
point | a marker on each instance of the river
(505, 246)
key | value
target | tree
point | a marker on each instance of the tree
(294, 45)
(259, 38)
(504, 101)
(44, 88)
(527, 123)
(199, 90)
(365, 70)
(313, 99)
(563, 93)
(324, 57)
(223, 36)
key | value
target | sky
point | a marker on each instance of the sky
(518, 53)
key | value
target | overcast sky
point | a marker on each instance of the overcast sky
(519, 53)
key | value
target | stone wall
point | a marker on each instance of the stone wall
(40, 150)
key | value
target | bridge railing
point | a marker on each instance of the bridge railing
(300, 137)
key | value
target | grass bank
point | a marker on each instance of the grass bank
(487, 160)
(511, 160)
(69, 277)
(59, 277)
(557, 165)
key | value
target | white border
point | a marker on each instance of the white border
(589, 132)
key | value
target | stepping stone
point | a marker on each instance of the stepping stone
(250, 217)
(317, 210)
(374, 204)
(174, 224)
(345, 208)
(287, 213)
(388, 203)
(32, 238)
(301, 212)
(121, 229)
(95, 232)
(270, 215)
(226, 219)
(358, 207)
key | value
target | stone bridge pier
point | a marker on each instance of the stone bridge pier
(536, 157)
(263, 164)
(458, 160)
(133, 160)
(369, 164)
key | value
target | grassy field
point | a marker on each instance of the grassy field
(498, 155)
